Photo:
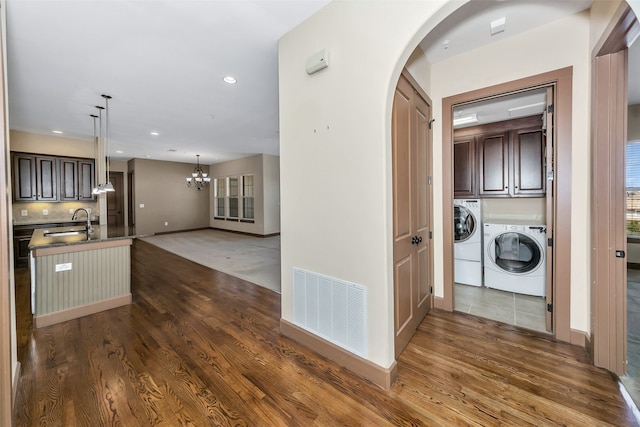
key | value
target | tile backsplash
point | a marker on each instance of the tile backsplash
(55, 212)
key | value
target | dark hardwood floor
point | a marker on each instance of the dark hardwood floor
(200, 348)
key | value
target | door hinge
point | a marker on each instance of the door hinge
(550, 109)
(430, 289)
(620, 253)
(550, 308)
(430, 180)
(431, 123)
(431, 234)
(550, 242)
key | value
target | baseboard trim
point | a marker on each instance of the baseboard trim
(246, 233)
(80, 311)
(438, 302)
(179, 231)
(14, 389)
(383, 377)
(579, 338)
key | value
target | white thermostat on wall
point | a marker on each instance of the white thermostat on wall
(317, 61)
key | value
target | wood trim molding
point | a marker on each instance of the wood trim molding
(438, 302)
(383, 377)
(562, 79)
(66, 249)
(80, 311)
(580, 338)
(500, 127)
(16, 385)
(622, 30)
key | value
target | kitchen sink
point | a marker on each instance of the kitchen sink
(64, 233)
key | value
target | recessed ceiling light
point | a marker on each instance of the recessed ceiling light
(230, 80)
(57, 131)
(119, 151)
(154, 133)
(172, 150)
(148, 156)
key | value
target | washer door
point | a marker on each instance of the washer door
(515, 253)
(464, 224)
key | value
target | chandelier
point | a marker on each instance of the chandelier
(198, 179)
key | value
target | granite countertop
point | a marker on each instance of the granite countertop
(100, 233)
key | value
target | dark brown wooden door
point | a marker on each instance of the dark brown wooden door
(412, 247)
(464, 167)
(115, 199)
(493, 154)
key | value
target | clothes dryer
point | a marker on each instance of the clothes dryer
(467, 246)
(515, 258)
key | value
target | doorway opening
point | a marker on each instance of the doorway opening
(551, 224)
(502, 184)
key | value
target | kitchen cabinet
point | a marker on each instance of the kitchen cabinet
(464, 168)
(51, 179)
(76, 179)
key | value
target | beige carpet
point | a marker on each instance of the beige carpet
(254, 259)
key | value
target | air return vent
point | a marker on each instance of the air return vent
(332, 309)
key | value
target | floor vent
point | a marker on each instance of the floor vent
(331, 308)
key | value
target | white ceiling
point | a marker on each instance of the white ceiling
(163, 63)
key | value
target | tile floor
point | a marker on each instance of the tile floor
(631, 381)
(508, 307)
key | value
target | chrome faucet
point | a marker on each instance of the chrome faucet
(75, 217)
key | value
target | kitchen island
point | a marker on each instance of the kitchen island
(75, 273)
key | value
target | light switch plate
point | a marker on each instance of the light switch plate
(24, 212)
(142, 205)
(45, 212)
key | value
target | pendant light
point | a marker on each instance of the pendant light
(95, 190)
(100, 188)
(108, 187)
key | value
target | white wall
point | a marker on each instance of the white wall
(335, 149)
(335, 141)
(557, 45)
(265, 169)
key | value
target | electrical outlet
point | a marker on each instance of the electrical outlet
(24, 212)
(166, 223)
(45, 212)
(71, 211)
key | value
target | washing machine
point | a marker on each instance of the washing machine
(515, 258)
(467, 246)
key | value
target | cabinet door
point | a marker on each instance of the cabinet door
(464, 167)
(528, 163)
(85, 179)
(68, 179)
(47, 179)
(24, 177)
(493, 152)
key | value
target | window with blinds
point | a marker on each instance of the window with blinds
(633, 187)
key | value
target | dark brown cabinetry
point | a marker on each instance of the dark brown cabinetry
(505, 159)
(464, 167)
(51, 179)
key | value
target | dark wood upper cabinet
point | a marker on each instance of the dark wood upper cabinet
(528, 162)
(464, 168)
(46, 179)
(493, 156)
(24, 177)
(504, 159)
(51, 179)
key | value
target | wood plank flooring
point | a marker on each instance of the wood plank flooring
(200, 348)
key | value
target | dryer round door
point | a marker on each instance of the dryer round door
(465, 224)
(515, 253)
